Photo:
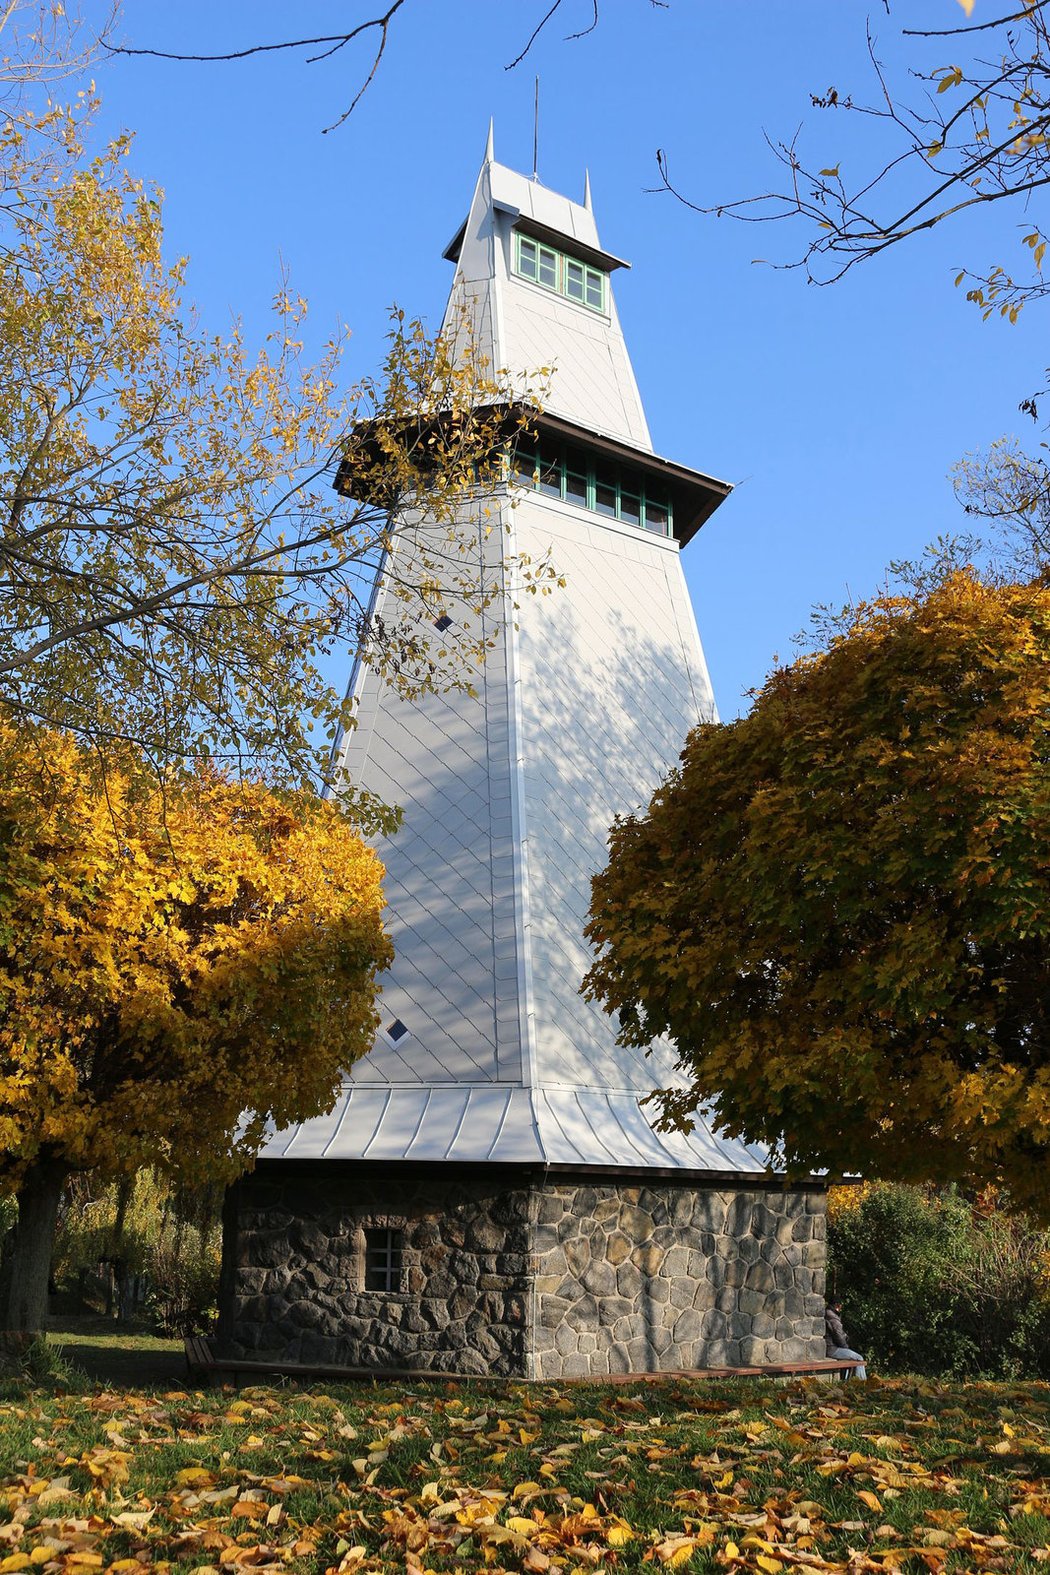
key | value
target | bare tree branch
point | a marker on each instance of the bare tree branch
(334, 42)
(977, 133)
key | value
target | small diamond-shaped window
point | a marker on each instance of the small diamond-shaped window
(396, 1030)
(442, 623)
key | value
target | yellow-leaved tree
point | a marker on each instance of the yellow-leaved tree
(838, 906)
(177, 560)
(179, 964)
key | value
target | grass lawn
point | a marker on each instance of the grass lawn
(449, 1476)
(113, 1354)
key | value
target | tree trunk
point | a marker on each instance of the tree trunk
(26, 1263)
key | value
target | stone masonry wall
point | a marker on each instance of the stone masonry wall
(293, 1271)
(635, 1279)
(513, 1276)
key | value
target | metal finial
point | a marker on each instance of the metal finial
(536, 134)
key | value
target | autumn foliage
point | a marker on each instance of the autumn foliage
(178, 566)
(839, 905)
(635, 1479)
(178, 966)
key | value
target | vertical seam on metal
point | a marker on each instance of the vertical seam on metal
(519, 823)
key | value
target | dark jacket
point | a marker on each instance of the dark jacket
(834, 1334)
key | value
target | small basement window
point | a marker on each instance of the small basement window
(383, 1255)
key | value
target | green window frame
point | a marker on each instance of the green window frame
(613, 491)
(556, 271)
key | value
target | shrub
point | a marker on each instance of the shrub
(932, 1284)
(183, 1270)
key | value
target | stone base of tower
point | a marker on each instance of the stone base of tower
(518, 1272)
(666, 1275)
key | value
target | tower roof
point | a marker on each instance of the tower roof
(521, 325)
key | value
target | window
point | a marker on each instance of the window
(549, 478)
(576, 488)
(618, 492)
(383, 1253)
(554, 271)
(605, 493)
(442, 623)
(526, 257)
(630, 508)
(656, 515)
(396, 1030)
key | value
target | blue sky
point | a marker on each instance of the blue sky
(837, 412)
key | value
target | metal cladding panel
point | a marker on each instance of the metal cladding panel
(591, 381)
(554, 1126)
(449, 872)
(314, 1139)
(612, 680)
(513, 190)
(483, 1115)
(569, 1138)
(706, 1148)
(591, 1126)
(518, 1140)
(440, 1125)
(398, 1124)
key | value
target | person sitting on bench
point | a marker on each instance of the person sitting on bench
(835, 1338)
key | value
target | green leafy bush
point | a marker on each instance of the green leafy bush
(931, 1284)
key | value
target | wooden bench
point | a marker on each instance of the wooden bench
(203, 1362)
(199, 1358)
(824, 1366)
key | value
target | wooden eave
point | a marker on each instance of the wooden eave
(694, 495)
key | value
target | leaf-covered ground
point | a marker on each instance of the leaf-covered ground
(452, 1477)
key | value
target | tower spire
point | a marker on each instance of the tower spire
(490, 147)
(587, 190)
(536, 133)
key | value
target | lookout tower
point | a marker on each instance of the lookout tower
(488, 1194)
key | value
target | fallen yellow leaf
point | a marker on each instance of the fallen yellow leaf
(195, 1477)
